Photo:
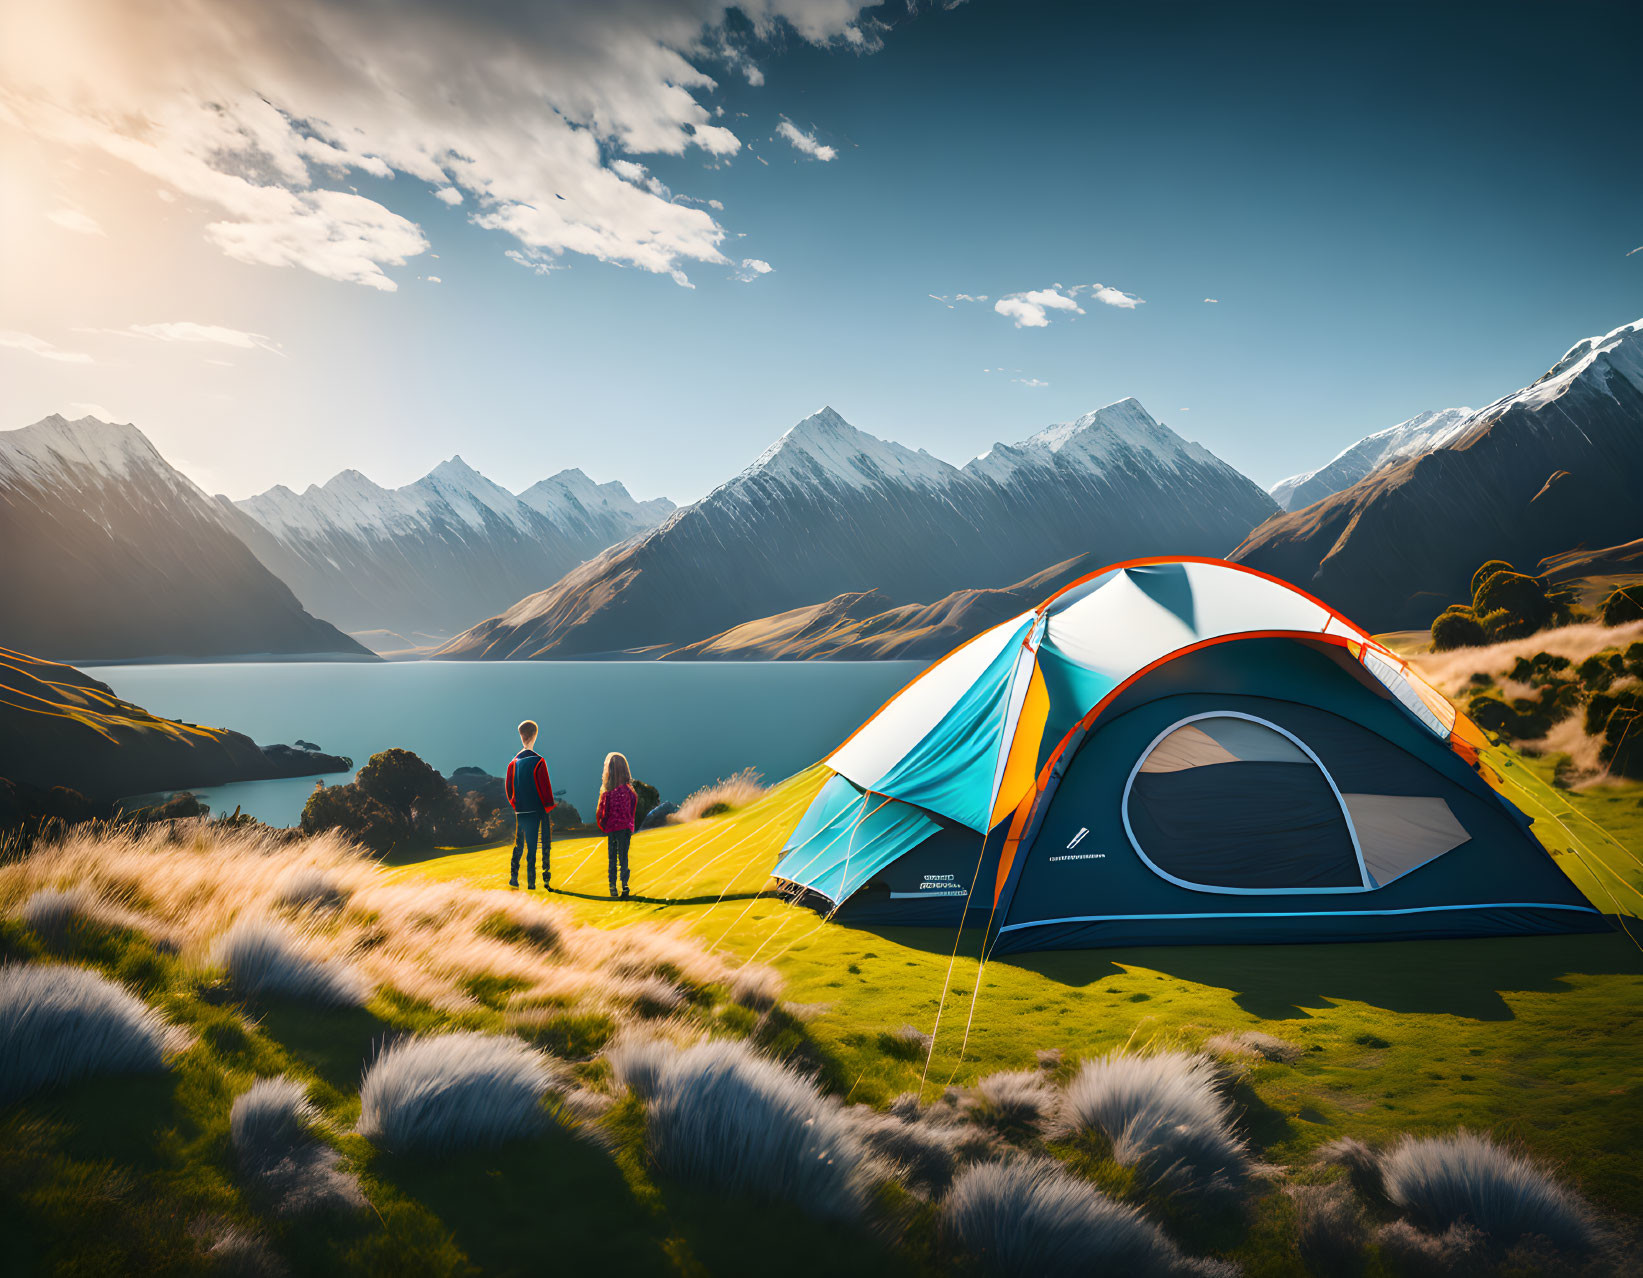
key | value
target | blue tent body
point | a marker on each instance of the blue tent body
(1175, 752)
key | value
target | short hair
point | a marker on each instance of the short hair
(527, 731)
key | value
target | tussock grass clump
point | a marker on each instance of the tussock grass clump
(271, 1129)
(1361, 1164)
(653, 996)
(1031, 1219)
(756, 987)
(1331, 1232)
(60, 1023)
(926, 1155)
(1457, 1250)
(908, 1043)
(1165, 1117)
(720, 1114)
(453, 1091)
(1439, 1182)
(265, 959)
(51, 912)
(638, 1063)
(312, 887)
(1012, 1103)
(723, 796)
(1253, 1045)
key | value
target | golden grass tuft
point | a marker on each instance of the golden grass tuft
(722, 797)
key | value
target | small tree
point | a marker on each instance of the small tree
(404, 784)
(356, 814)
(649, 797)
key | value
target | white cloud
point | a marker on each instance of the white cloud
(1638, 249)
(212, 334)
(259, 112)
(948, 302)
(1031, 309)
(434, 279)
(1116, 297)
(16, 341)
(1028, 381)
(805, 142)
(75, 220)
(449, 194)
(751, 268)
(1212, 300)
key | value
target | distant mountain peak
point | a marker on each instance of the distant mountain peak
(1412, 437)
(825, 448)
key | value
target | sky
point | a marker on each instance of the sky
(645, 238)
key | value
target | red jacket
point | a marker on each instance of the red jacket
(531, 798)
(616, 809)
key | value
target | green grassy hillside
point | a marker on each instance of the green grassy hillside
(1534, 1038)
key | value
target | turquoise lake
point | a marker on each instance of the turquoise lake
(682, 725)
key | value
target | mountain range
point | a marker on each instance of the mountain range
(430, 558)
(1420, 434)
(112, 554)
(829, 510)
(1554, 467)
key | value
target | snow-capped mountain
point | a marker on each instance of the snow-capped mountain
(431, 557)
(110, 553)
(1420, 434)
(592, 515)
(1549, 468)
(828, 509)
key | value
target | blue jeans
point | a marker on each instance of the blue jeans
(531, 828)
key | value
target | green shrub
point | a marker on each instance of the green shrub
(1521, 718)
(1457, 628)
(649, 797)
(1601, 669)
(1539, 670)
(1623, 605)
(356, 814)
(1618, 719)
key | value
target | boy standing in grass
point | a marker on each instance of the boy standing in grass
(530, 794)
(618, 805)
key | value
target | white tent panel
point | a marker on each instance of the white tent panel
(1400, 833)
(1121, 627)
(910, 717)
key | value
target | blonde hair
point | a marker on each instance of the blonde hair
(528, 731)
(617, 773)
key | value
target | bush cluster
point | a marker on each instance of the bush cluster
(398, 802)
(1505, 604)
(1607, 684)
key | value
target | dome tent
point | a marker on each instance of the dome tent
(1175, 751)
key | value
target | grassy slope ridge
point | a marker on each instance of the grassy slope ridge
(1532, 1038)
(59, 726)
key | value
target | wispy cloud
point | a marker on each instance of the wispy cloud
(261, 114)
(1028, 381)
(950, 301)
(210, 334)
(1109, 296)
(1212, 300)
(12, 340)
(76, 220)
(805, 142)
(1032, 309)
(751, 268)
(1638, 249)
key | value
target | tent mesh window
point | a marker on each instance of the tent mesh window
(1228, 803)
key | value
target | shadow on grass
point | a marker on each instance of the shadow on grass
(335, 1043)
(1464, 977)
(552, 1204)
(732, 1237)
(636, 899)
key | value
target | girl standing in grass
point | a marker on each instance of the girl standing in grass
(618, 804)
